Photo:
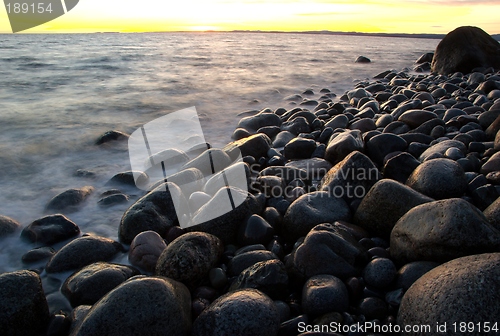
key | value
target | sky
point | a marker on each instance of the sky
(406, 16)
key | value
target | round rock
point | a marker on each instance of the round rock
(324, 294)
(8, 226)
(145, 250)
(379, 273)
(50, 230)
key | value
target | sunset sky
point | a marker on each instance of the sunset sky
(406, 16)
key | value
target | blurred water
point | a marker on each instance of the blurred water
(58, 93)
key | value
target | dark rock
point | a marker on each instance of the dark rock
(363, 59)
(492, 214)
(255, 145)
(439, 179)
(324, 294)
(464, 49)
(111, 200)
(282, 139)
(271, 186)
(428, 126)
(240, 133)
(327, 249)
(140, 306)
(221, 219)
(460, 290)
(342, 144)
(111, 136)
(339, 121)
(296, 126)
(237, 175)
(81, 252)
(50, 230)
(88, 285)
(411, 272)
(442, 230)
(316, 168)
(288, 174)
(363, 125)
(427, 57)
(379, 273)
(69, 199)
(260, 120)
(269, 277)
(246, 312)
(492, 165)
(397, 127)
(155, 211)
(8, 226)
(270, 131)
(213, 160)
(218, 278)
(245, 260)
(190, 257)
(415, 118)
(484, 196)
(38, 254)
(352, 177)
(373, 308)
(130, 178)
(400, 167)
(381, 145)
(255, 231)
(299, 148)
(312, 209)
(145, 250)
(385, 203)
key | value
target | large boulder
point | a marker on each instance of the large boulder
(442, 230)
(140, 306)
(245, 312)
(461, 294)
(23, 307)
(464, 49)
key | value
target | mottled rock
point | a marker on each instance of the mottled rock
(379, 273)
(145, 250)
(460, 290)
(442, 230)
(23, 307)
(50, 230)
(88, 285)
(246, 312)
(140, 306)
(68, 200)
(323, 294)
(190, 257)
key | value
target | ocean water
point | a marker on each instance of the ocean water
(58, 93)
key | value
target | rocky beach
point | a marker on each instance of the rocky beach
(376, 212)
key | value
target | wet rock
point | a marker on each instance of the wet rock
(379, 273)
(269, 277)
(442, 230)
(400, 167)
(439, 179)
(69, 199)
(190, 257)
(460, 290)
(492, 214)
(38, 254)
(282, 139)
(381, 145)
(415, 118)
(296, 126)
(316, 168)
(88, 285)
(145, 250)
(324, 294)
(81, 252)
(8, 226)
(23, 307)
(111, 136)
(299, 148)
(155, 211)
(427, 57)
(339, 121)
(411, 272)
(288, 174)
(255, 145)
(373, 308)
(385, 203)
(50, 230)
(363, 125)
(256, 230)
(260, 120)
(111, 200)
(363, 59)
(464, 49)
(244, 260)
(130, 178)
(312, 209)
(219, 218)
(327, 249)
(141, 305)
(441, 148)
(492, 165)
(246, 312)
(342, 144)
(240, 133)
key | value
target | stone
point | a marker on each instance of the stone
(288, 173)
(269, 277)
(23, 307)
(379, 273)
(351, 178)
(442, 230)
(221, 219)
(246, 312)
(240, 133)
(411, 272)
(81, 252)
(296, 126)
(385, 203)
(145, 250)
(381, 145)
(327, 249)
(323, 294)
(316, 168)
(140, 306)
(439, 179)
(260, 120)
(342, 144)
(415, 118)
(400, 167)
(363, 125)
(111, 200)
(244, 260)
(88, 285)
(312, 209)
(363, 59)
(373, 308)
(38, 254)
(299, 148)
(492, 214)
(464, 49)
(110, 136)
(442, 147)
(50, 230)
(427, 57)
(212, 160)
(129, 178)
(492, 165)
(282, 139)
(237, 174)
(190, 180)
(256, 230)
(155, 211)
(70, 199)
(460, 290)
(255, 145)
(190, 257)
(339, 121)
(8, 226)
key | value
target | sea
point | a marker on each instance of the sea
(60, 92)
